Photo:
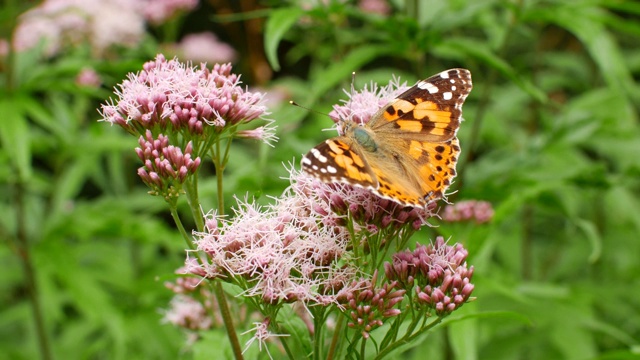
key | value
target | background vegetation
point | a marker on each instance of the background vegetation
(551, 139)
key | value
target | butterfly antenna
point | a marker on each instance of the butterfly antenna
(353, 84)
(306, 108)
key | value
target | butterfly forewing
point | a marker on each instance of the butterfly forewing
(339, 160)
(432, 107)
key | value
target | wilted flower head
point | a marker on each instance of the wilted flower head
(100, 23)
(192, 101)
(480, 211)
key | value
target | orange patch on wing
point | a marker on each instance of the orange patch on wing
(415, 149)
(409, 125)
(353, 172)
(436, 116)
(399, 105)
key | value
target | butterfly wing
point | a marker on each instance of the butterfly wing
(340, 159)
(430, 110)
(416, 133)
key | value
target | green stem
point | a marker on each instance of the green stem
(334, 338)
(219, 292)
(176, 218)
(218, 162)
(363, 347)
(226, 317)
(30, 277)
(407, 338)
(191, 189)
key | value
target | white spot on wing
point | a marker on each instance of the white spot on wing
(331, 169)
(447, 95)
(432, 89)
(444, 74)
(318, 155)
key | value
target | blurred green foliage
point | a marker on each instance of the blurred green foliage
(551, 139)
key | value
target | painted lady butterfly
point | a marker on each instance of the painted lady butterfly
(408, 151)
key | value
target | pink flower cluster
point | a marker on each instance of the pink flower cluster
(480, 211)
(368, 304)
(439, 273)
(286, 251)
(205, 47)
(100, 23)
(159, 11)
(362, 105)
(190, 100)
(165, 166)
(60, 23)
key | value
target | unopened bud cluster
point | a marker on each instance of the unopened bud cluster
(368, 305)
(438, 272)
(165, 167)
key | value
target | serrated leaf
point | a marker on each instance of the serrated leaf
(279, 22)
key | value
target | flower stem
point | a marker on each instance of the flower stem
(217, 285)
(25, 255)
(407, 338)
(191, 190)
(334, 339)
(228, 321)
(176, 218)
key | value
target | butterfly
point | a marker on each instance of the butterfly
(408, 150)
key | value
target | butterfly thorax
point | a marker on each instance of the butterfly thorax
(361, 134)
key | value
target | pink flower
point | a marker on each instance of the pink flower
(88, 77)
(363, 104)
(166, 167)
(369, 304)
(266, 134)
(480, 211)
(159, 11)
(60, 23)
(205, 48)
(439, 273)
(188, 313)
(380, 7)
(192, 100)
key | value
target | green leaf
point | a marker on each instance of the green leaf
(465, 47)
(14, 135)
(585, 22)
(591, 232)
(329, 77)
(279, 22)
